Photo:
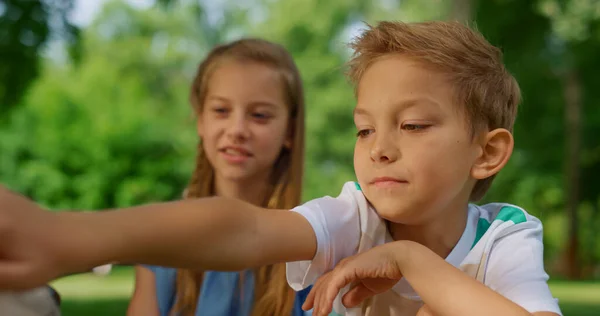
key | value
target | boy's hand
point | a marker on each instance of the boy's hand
(425, 311)
(372, 272)
(26, 256)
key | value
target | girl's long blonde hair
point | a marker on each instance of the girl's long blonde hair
(272, 296)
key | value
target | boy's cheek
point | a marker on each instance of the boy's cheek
(362, 168)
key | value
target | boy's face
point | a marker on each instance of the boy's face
(414, 151)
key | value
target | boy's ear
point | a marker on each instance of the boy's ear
(496, 149)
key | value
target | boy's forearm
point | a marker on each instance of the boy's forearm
(446, 290)
(210, 233)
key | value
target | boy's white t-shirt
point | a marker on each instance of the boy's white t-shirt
(501, 247)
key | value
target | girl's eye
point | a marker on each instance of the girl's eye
(261, 116)
(364, 133)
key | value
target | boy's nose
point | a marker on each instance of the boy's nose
(379, 155)
(383, 150)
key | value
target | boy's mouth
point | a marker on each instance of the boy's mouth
(387, 181)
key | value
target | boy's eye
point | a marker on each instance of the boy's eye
(364, 132)
(415, 127)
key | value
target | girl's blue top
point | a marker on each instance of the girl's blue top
(220, 293)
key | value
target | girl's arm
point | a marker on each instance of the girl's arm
(143, 301)
(212, 233)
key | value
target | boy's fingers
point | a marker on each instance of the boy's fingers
(309, 302)
(424, 311)
(312, 300)
(356, 296)
(322, 298)
(332, 288)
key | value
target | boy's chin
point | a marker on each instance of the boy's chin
(394, 212)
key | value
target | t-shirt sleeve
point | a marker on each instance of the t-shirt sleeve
(335, 222)
(516, 269)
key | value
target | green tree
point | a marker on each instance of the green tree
(549, 46)
(25, 29)
(116, 129)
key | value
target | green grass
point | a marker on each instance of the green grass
(91, 295)
(577, 298)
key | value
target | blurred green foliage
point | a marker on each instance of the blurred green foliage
(26, 27)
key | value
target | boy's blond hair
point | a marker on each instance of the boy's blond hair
(483, 88)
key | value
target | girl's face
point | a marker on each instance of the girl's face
(244, 120)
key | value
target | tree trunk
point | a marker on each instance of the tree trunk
(572, 95)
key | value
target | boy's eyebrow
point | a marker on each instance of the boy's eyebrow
(402, 105)
(408, 103)
(359, 111)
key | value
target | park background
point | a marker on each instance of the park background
(94, 109)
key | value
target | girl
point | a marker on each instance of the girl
(248, 100)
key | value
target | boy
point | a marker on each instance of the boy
(435, 110)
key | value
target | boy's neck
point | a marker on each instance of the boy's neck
(252, 191)
(439, 234)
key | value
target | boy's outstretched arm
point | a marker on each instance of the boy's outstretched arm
(215, 233)
(445, 290)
